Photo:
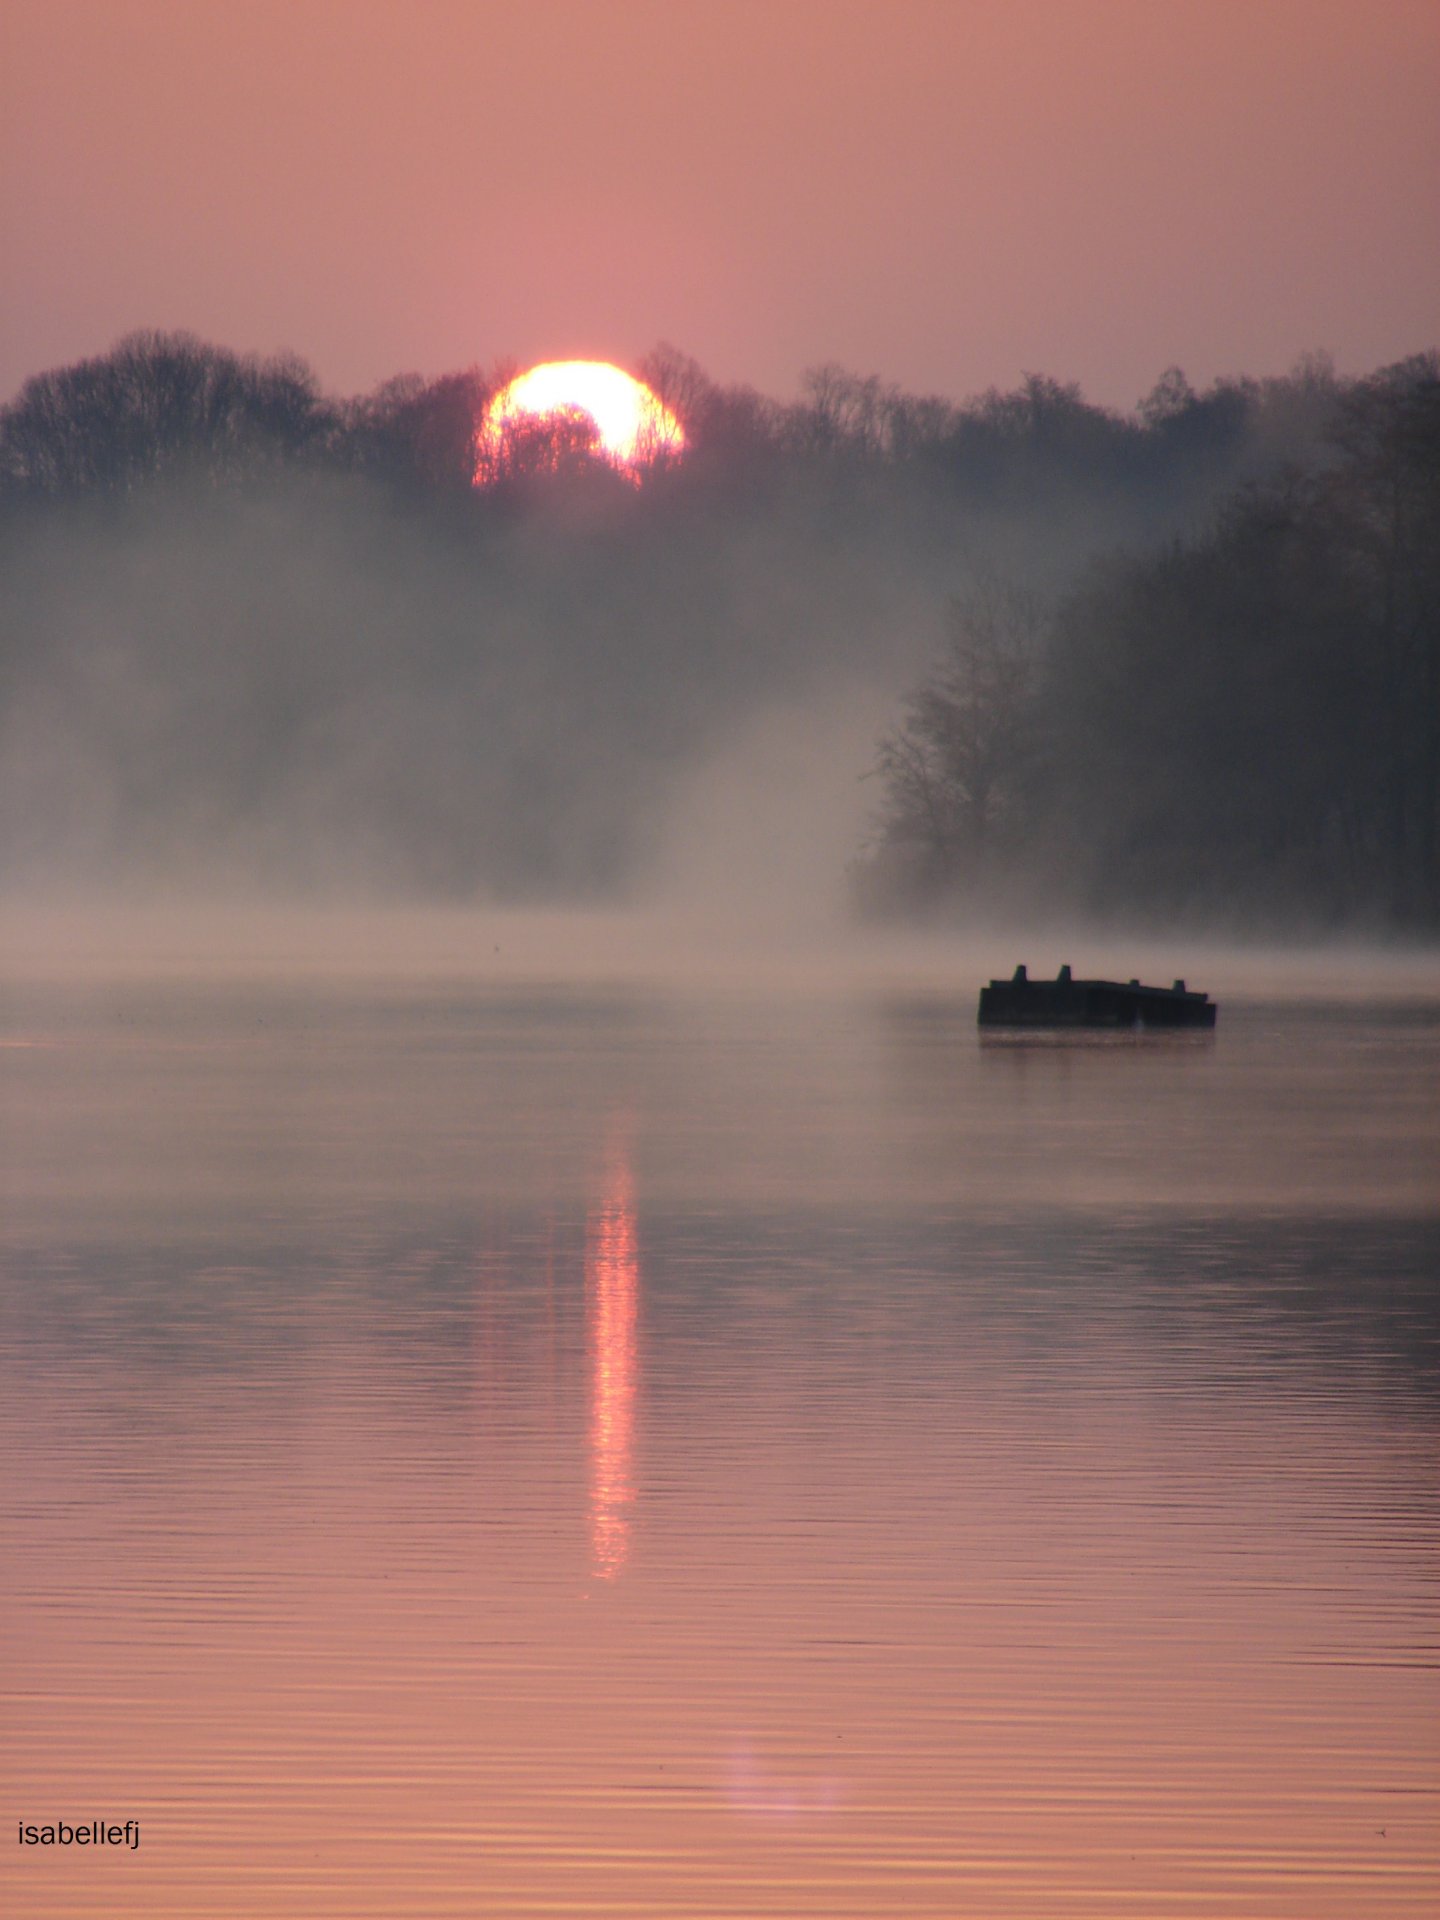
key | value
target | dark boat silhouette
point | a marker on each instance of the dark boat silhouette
(1067, 1002)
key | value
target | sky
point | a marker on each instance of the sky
(947, 193)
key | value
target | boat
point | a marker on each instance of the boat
(1067, 1002)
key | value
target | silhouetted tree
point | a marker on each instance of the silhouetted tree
(537, 452)
(417, 432)
(679, 383)
(1171, 396)
(156, 403)
(956, 771)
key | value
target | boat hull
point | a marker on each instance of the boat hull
(1091, 1003)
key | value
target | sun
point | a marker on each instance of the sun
(624, 421)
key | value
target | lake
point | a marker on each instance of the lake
(584, 1446)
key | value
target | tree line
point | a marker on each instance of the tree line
(1191, 662)
(161, 403)
(1243, 723)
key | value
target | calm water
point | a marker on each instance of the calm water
(604, 1452)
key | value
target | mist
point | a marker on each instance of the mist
(297, 658)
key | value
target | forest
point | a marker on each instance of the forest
(1180, 664)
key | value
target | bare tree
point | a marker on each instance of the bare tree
(956, 770)
(158, 402)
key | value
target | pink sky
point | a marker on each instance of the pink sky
(945, 192)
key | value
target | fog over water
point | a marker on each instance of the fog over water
(546, 1363)
(319, 695)
(629, 1424)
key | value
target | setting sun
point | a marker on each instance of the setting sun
(630, 426)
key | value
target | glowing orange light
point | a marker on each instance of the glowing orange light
(631, 426)
(612, 1280)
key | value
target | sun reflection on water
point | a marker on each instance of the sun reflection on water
(612, 1286)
